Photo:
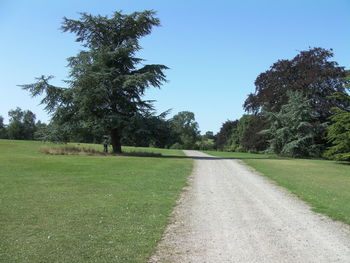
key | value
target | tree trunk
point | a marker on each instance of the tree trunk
(115, 140)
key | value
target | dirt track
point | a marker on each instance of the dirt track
(230, 214)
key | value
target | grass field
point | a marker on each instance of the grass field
(325, 185)
(72, 208)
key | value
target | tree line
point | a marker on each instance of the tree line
(104, 92)
(150, 130)
(300, 108)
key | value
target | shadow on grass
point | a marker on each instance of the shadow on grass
(215, 158)
(74, 150)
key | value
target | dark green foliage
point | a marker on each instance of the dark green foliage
(252, 140)
(186, 127)
(243, 124)
(40, 132)
(56, 133)
(205, 144)
(209, 135)
(243, 135)
(310, 72)
(225, 133)
(149, 130)
(106, 81)
(3, 130)
(339, 132)
(206, 141)
(21, 125)
(294, 128)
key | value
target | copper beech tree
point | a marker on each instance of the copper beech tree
(310, 72)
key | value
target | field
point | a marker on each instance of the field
(323, 184)
(76, 208)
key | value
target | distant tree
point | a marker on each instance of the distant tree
(209, 135)
(3, 131)
(236, 139)
(310, 72)
(41, 131)
(252, 139)
(293, 129)
(54, 132)
(106, 80)
(149, 130)
(224, 135)
(204, 143)
(21, 125)
(339, 129)
(185, 125)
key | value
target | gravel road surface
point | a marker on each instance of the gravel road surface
(229, 213)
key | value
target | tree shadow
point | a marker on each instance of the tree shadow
(216, 158)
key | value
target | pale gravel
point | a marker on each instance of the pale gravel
(230, 213)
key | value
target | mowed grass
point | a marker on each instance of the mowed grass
(325, 185)
(72, 208)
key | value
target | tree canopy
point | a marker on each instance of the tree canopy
(185, 125)
(107, 80)
(310, 72)
(21, 125)
(3, 131)
(293, 129)
(339, 129)
(225, 134)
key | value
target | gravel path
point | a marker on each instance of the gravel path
(228, 213)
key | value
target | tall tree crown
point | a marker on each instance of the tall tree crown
(310, 72)
(103, 31)
(106, 80)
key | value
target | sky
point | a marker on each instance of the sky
(214, 49)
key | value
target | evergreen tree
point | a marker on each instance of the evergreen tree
(3, 130)
(107, 80)
(339, 131)
(294, 128)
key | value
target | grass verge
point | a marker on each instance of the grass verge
(78, 208)
(323, 184)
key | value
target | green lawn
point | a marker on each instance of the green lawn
(72, 208)
(323, 184)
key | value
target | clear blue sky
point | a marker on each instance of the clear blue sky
(215, 49)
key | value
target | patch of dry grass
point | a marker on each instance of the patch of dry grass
(70, 150)
(81, 150)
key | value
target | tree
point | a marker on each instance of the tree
(243, 125)
(41, 131)
(252, 139)
(293, 129)
(186, 127)
(225, 133)
(3, 131)
(21, 125)
(149, 130)
(209, 135)
(339, 130)
(310, 72)
(106, 81)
